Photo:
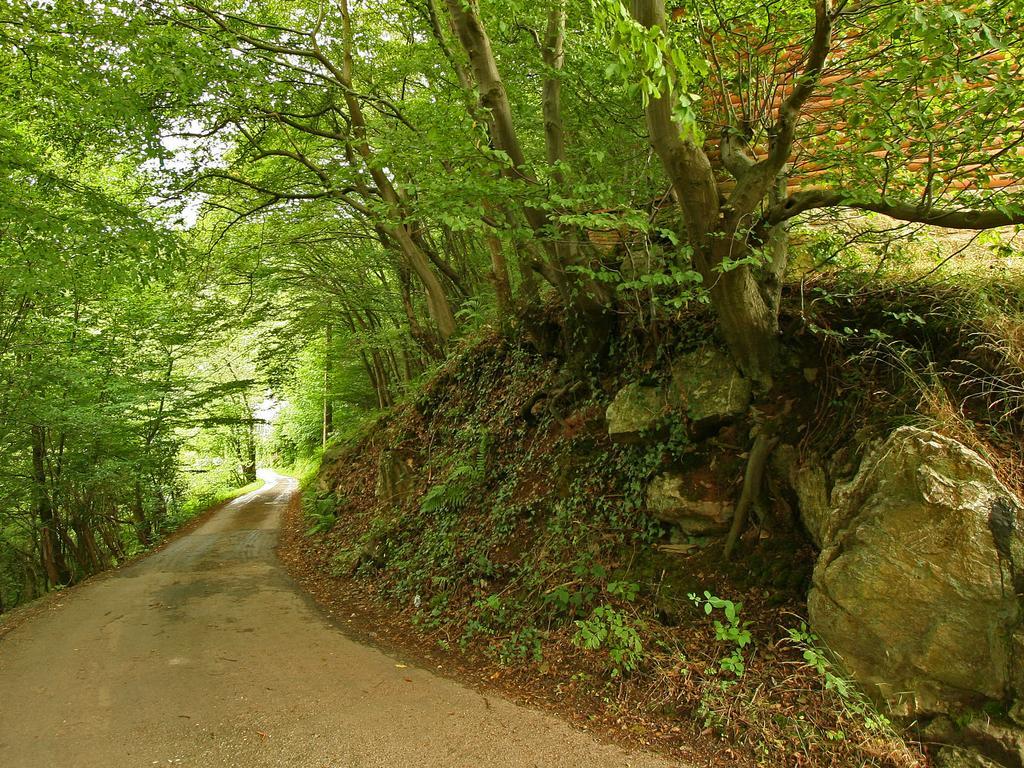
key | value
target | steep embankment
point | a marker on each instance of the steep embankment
(483, 523)
(565, 543)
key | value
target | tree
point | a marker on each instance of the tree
(919, 94)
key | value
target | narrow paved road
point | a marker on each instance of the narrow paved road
(205, 654)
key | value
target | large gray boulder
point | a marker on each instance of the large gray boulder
(917, 588)
(809, 482)
(709, 387)
(671, 499)
(635, 412)
(976, 740)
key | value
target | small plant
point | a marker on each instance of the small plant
(574, 598)
(850, 697)
(609, 629)
(344, 562)
(627, 590)
(522, 644)
(731, 631)
(322, 515)
(452, 493)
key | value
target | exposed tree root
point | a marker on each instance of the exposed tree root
(526, 411)
(753, 484)
(554, 396)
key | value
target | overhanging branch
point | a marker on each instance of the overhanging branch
(949, 218)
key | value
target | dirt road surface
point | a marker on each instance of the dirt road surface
(206, 654)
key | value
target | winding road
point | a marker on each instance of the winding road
(207, 654)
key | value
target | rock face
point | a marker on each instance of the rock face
(671, 501)
(810, 484)
(976, 741)
(635, 411)
(955, 757)
(330, 469)
(917, 586)
(709, 387)
(706, 386)
(395, 477)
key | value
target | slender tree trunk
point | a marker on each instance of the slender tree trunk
(587, 301)
(111, 540)
(427, 341)
(437, 300)
(328, 419)
(89, 556)
(51, 550)
(551, 99)
(31, 585)
(142, 525)
(384, 390)
(160, 513)
(429, 247)
(438, 307)
(499, 272)
(249, 468)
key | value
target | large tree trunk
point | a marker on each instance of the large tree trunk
(748, 324)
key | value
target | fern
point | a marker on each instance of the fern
(322, 514)
(482, 451)
(453, 492)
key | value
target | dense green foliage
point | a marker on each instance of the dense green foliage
(231, 229)
(214, 213)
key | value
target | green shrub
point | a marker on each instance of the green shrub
(732, 631)
(609, 629)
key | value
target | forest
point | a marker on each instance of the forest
(505, 266)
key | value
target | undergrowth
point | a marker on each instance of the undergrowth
(529, 547)
(524, 540)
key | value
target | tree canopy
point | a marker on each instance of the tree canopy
(206, 203)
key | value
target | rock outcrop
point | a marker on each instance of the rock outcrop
(918, 586)
(810, 485)
(708, 387)
(395, 476)
(671, 500)
(635, 412)
(957, 757)
(976, 740)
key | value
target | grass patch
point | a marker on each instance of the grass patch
(202, 500)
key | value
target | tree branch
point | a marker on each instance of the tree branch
(950, 218)
(734, 154)
(782, 133)
(686, 164)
